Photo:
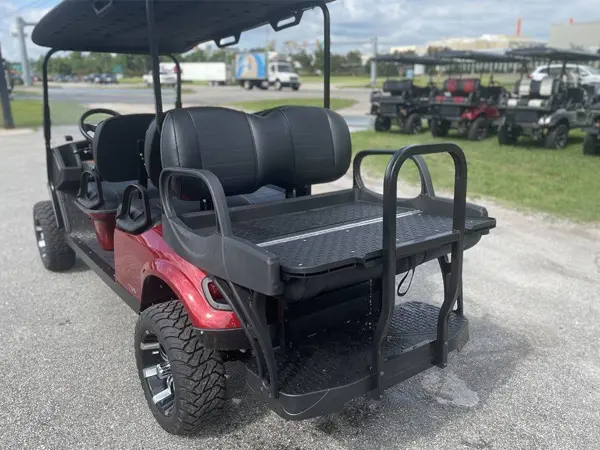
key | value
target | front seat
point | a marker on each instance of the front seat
(116, 149)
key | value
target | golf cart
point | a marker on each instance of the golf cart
(402, 101)
(465, 104)
(202, 220)
(547, 109)
(591, 142)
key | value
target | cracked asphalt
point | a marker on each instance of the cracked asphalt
(528, 379)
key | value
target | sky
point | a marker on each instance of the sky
(355, 22)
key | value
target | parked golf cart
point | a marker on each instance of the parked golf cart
(591, 142)
(465, 104)
(402, 101)
(202, 220)
(547, 109)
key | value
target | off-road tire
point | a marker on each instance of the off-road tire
(553, 138)
(56, 255)
(478, 130)
(505, 137)
(413, 124)
(382, 123)
(591, 146)
(198, 372)
(439, 129)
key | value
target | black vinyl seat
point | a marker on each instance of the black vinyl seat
(116, 149)
(290, 147)
(154, 165)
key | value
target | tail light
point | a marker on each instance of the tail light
(213, 295)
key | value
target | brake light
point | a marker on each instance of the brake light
(213, 295)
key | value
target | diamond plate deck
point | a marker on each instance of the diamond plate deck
(338, 357)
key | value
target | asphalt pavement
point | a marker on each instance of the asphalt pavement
(528, 379)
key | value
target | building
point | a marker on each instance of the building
(487, 42)
(578, 35)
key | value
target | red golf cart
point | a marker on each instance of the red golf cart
(465, 104)
(202, 220)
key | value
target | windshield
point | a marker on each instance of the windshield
(284, 68)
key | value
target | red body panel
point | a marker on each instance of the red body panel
(104, 226)
(489, 112)
(137, 257)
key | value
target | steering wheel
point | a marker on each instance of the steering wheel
(86, 128)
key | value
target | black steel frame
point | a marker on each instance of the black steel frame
(249, 305)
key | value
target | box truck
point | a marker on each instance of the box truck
(255, 69)
(215, 73)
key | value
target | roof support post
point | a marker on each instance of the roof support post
(326, 57)
(153, 44)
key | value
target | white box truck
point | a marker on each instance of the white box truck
(255, 69)
(215, 73)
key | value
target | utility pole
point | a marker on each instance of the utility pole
(4, 97)
(373, 63)
(20, 25)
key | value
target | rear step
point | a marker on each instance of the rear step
(331, 368)
(318, 376)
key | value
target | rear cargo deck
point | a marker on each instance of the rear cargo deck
(327, 238)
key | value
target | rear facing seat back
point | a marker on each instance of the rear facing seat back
(291, 147)
(398, 87)
(541, 92)
(461, 90)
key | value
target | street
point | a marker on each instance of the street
(528, 379)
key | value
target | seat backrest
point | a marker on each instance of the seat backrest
(461, 87)
(548, 87)
(290, 147)
(397, 87)
(115, 146)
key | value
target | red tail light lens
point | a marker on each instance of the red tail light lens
(214, 295)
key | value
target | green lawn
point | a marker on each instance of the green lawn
(561, 182)
(259, 105)
(28, 113)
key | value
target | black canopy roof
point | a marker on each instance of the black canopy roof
(477, 56)
(120, 26)
(403, 58)
(554, 54)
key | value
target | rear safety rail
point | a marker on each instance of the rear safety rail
(452, 280)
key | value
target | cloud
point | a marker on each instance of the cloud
(394, 22)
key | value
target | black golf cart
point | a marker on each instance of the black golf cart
(465, 104)
(202, 220)
(547, 109)
(402, 101)
(591, 142)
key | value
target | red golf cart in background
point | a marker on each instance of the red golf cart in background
(465, 103)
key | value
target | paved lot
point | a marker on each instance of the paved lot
(529, 378)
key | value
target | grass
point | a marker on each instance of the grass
(561, 182)
(259, 105)
(28, 113)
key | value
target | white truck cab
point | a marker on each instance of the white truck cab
(282, 74)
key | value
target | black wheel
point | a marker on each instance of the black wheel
(591, 145)
(248, 85)
(506, 137)
(278, 86)
(56, 254)
(557, 137)
(184, 383)
(413, 124)
(478, 130)
(295, 88)
(382, 123)
(439, 128)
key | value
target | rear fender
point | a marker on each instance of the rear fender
(471, 114)
(557, 118)
(190, 294)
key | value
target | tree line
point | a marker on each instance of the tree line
(310, 62)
